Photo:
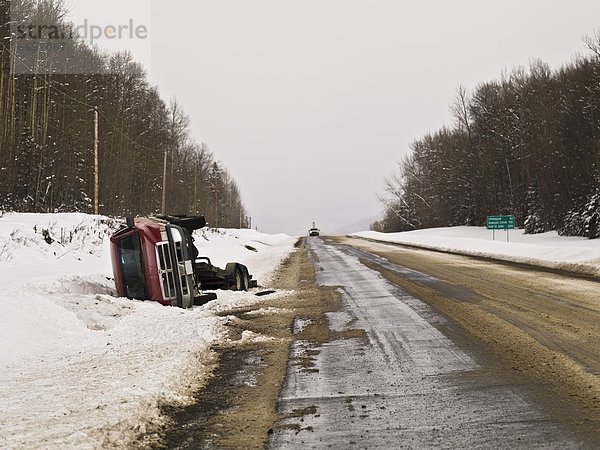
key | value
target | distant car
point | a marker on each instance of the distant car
(314, 232)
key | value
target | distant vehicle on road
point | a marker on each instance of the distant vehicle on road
(314, 232)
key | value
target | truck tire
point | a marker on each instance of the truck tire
(245, 280)
(241, 279)
(238, 280)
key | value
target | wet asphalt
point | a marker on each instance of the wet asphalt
(410, 379)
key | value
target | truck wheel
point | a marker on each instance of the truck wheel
(238, 280)
(245, 280)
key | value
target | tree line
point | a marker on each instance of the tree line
(526, 144)
(49, 92)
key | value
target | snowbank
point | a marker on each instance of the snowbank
(261, 253)
(80, 368)
(548, 250)
(51, 245)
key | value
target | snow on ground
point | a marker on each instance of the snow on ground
(80, 368)
(259, 252)
(545, 250)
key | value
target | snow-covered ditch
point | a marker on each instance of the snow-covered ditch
(80, 368)
(545, 250)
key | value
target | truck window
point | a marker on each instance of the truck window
(132, 268)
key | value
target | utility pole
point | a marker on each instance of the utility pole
(164, 188)
(216, 208)
(96, 164)
(195, 187)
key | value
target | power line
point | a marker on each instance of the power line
(48, 84)
(87, 105)
(71, 135)
(32, 72)
(104, 148)
(126, 136)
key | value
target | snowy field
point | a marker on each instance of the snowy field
(545, 250)
(80, 368)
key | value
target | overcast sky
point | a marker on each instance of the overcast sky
(310, 103)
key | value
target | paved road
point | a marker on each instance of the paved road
(404, 375)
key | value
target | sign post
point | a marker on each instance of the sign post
(501, 223)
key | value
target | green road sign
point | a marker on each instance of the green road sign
(501, 223)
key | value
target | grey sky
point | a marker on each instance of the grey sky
(310, 103)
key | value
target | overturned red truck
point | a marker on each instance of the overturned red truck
(154, 258)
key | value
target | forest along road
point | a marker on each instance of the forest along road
(429, 349)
